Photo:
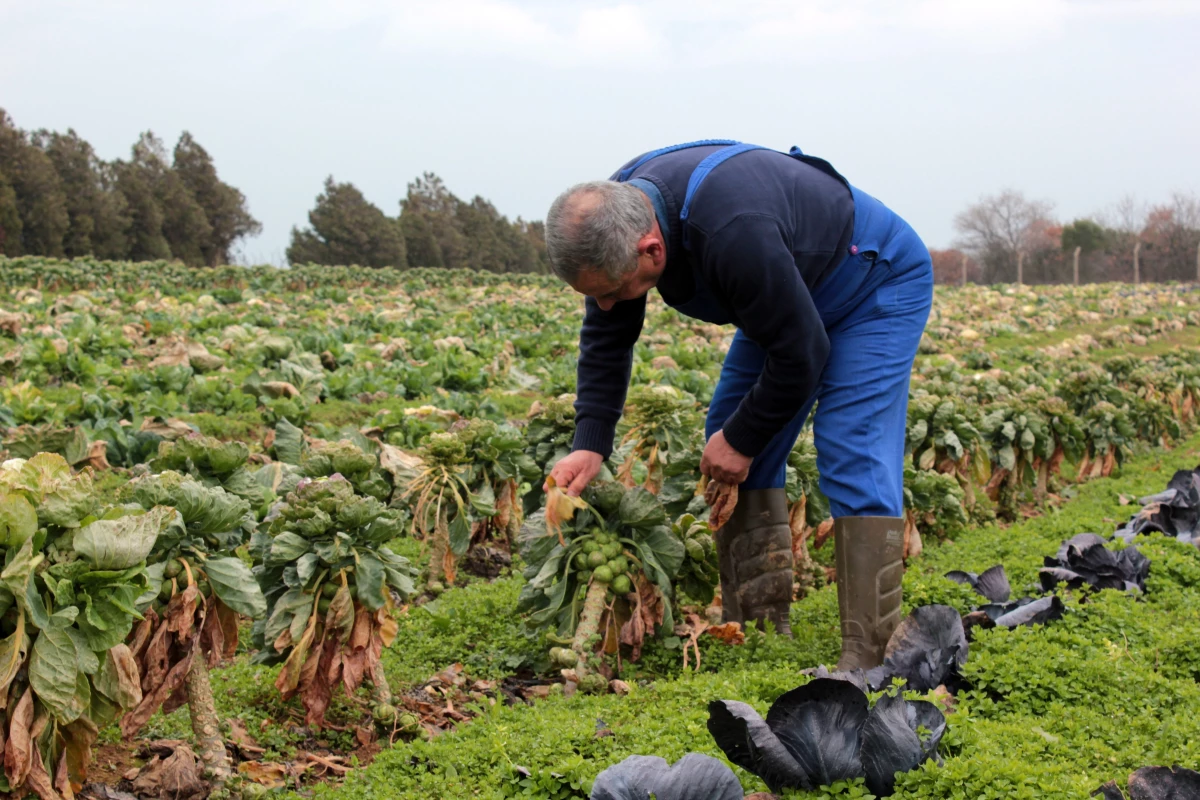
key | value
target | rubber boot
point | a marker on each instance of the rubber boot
(869, 553)
(754, 550)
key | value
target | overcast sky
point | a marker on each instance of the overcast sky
(927, 104)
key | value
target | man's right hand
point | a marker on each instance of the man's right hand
(575, 471)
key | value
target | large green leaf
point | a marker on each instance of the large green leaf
(235, 586)
(640, 509)
(54, 674)
(289, 442)
(292, 604)
(1007, 457)
(370, 577)
(287, 547)
(18, 520)
(122, 543)
(460, 534)
(668, 551)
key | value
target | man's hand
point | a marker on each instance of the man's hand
(575, 471)
(722, 463)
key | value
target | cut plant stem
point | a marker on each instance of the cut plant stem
(381, 692)
(589, 620)
(209, 744)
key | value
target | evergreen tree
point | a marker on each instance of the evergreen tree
(98, 221)
(347, 229)
(10, 219)
(184, 223)
(224, 206)
(41, 204)
(433, 223)
(136, 187)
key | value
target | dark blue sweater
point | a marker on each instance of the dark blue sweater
(764, 228)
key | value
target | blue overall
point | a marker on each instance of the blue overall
(874, 306)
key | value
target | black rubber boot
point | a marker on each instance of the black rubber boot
(755, 553)
(869, 553)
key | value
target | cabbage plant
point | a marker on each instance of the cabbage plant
(67, 603)
(330, 585)
(603, 571)
(826, 731)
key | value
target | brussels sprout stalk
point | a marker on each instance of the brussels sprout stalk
(589, 618)
(209, 745)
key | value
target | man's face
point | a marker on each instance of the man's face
(607, 293)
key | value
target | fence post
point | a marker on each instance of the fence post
(1137, 271)
(964, 268)
(1020, 268)
(1075, 267)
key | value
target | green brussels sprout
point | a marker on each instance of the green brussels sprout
(593, 683)
(323, 605)
(622, 585)
(567, 657)
(435, 588)
(581, 560)
(585, 577)
(596, 559)
(602, 575)
(602, 538)
(619, 565)
(330, 589)
(384, 713)
(590, 546)
(611, 550)
(173, 568)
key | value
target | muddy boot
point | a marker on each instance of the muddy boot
(869, 554)
(755, 553)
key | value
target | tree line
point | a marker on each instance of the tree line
(58, 198)
(433, 229)
(1007, 235)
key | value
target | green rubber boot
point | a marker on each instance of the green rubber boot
(869, 553)
(754, 550)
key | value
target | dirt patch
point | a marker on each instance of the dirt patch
(110, 762)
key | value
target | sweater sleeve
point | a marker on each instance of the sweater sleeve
(750, 260)
(605, 362)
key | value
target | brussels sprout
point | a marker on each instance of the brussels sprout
(409, 722)
(173, 568)
(204, 588)
(567, 657)
(593, 683)
(611, 550)
(585, 577)
(435, 588)
(622, 585)
(602, 538)
(590, 546)
(596, 559)
(323, 605)
(164, 594)
(581, 561)
(384, 713)
(619, 565)
(602, 575)
(330, 589)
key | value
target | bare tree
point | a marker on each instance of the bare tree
(998, 227)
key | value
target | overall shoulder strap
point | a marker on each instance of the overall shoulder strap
(701, 172)
(819, 163)
(625, 173)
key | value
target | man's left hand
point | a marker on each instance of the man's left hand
(722, 463)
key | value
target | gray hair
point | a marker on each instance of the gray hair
(599, 235)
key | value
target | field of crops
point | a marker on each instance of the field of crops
(285, 531)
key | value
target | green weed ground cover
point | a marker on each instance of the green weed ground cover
(1053, 713)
